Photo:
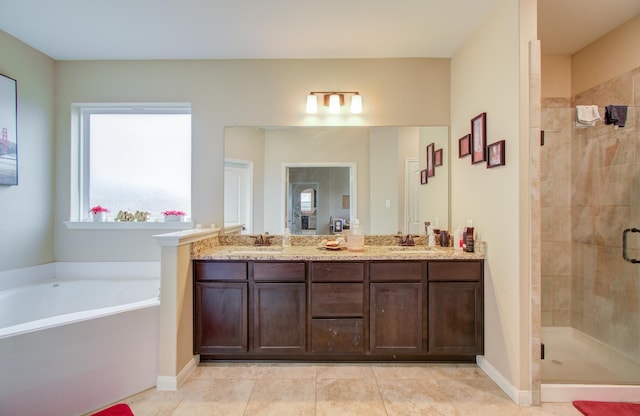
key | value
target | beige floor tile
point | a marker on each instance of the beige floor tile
(552, 409)
(213, 397)
(273, 397)
(229, 370)
(456, 371)
(479, 398)
(337, 397)
(344, 371)
(415, 397)
(294, 370)
(402, 371)
(154, 402)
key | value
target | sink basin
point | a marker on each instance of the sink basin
(255, 250)
(413, 249)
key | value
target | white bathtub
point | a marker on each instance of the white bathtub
(68, 344)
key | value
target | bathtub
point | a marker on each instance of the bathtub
(77, 336)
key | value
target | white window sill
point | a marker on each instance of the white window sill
(127, 225)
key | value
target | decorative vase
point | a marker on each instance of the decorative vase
(99, 217)
(173, 218)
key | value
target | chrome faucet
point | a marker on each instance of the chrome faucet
(406, 240)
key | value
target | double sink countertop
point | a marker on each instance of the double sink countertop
(319, 253)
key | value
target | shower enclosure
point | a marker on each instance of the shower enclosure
(590, 192)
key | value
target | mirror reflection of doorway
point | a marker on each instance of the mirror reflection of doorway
(238, 201)
(303, 213)
(316, 194)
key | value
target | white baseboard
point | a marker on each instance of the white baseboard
(597, 392)
(520, 397)
(170, 383)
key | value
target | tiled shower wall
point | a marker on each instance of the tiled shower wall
(590, 194)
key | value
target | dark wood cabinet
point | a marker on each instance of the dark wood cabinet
(221, 318)
(339, 310)
(456, 308)
(279, 317)
(337, 307)
(396, 318)
(396, 311)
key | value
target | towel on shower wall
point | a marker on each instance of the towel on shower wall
(586, 115)
(616, 115)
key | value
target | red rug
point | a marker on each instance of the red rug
(589, 408)
(115, 410)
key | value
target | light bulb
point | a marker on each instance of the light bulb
(334, 103)
(312, 104)
(356, 104)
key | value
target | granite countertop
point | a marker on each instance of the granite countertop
(371, 252)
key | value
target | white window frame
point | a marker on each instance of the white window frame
(80, 113)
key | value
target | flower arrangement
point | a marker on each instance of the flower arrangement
(98, 209)
(173, 212)
(173, 215)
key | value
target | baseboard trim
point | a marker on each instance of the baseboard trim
(520, 397)
(571, 392)
(170, 383)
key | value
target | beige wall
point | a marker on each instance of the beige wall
(556, 79)
(397, 92)
(490, 79)
(615, 53)
(28, 210)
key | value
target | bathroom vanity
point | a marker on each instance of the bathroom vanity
(303, 303)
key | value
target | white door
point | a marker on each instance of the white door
(237, 194)
(411, 200)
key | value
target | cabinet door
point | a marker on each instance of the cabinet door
(455, 318)
(396, 318)
(279, 317)
(221, 318)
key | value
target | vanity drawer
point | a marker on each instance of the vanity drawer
(337, 271)
(220, 270)
(279, 271)
(470, 270)
(337, 335)
(393, 271)
(334, 300)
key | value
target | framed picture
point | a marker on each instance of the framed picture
(8, 131)
(464, 146)
(479, 138)
(437, 158)
(430, 153)
(423, 176)
(495, 154)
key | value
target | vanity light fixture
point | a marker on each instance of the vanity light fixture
(334, 100)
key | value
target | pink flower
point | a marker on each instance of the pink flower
(173, 212)
(97, 209)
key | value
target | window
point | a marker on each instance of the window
(135, 158)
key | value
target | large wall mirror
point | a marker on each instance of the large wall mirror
(317, 180)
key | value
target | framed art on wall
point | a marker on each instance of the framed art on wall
(430, 159)
(478, 138)
(423, 176)
(8, 131)
(464, 146)
(437, 158)
(496, 154)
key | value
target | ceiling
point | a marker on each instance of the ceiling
(243, 29)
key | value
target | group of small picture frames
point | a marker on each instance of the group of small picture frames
(434, 159)
(475, 144)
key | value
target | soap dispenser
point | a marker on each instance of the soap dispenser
(457, 238)
(286, 238)
(355, 239)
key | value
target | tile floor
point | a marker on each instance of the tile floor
(337, 389)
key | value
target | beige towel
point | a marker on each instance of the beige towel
(586, 115)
